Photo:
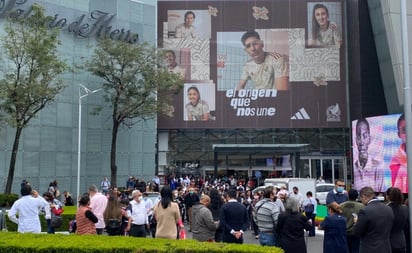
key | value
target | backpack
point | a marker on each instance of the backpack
(309, 208)
(114, 223)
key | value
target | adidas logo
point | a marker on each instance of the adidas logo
(301, 115)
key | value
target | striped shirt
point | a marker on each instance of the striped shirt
(266, 216)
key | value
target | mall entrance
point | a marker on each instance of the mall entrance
(329, 167)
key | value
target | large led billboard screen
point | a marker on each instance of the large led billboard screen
(379, 153)
(255, 64)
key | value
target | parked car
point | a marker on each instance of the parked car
(154, 197)
(322, 190)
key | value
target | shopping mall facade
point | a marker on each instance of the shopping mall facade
(303, 130)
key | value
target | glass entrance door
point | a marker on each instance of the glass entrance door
(330, 168)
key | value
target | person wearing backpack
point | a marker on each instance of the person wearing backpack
(309, 206)
(56, 208)
(113, 215)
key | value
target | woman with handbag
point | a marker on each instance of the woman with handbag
(56, 208)
(167, 215)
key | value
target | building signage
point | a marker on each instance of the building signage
(96, 24)
(255, 64)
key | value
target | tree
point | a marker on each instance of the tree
(135, 84)
(31, 70)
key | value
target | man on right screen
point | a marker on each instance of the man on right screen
(398, 165)
(368, 170)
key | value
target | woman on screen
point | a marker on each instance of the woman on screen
(197, 109)
(324, 32)
(187, 30)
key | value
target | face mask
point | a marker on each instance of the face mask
(191, 192)
(340, 189)
(176, 194)
(380, 198)
(140, 198)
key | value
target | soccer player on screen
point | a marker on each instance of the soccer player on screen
(368, 171)
(266, 70)
(398, 165)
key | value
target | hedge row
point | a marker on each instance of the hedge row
(7, 200)
(47, 243)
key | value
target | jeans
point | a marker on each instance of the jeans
(50, 230)
(267, 239)
(311, 216)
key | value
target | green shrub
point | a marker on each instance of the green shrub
(42, 243)
(7, 200)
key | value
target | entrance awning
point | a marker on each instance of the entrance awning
(259, 148)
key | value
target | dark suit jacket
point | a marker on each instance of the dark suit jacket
(400, 223)
(233, 216)
(290, 229)
(374, 227)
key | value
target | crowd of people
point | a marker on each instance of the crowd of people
(366, 222)
(221, 210)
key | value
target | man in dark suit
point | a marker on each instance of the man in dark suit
(374, 224)
(233, 219)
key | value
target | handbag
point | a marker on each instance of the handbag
(57, 211)
(56, 220)
(182, 234)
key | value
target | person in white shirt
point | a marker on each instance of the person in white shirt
(140, 219)
(149, 207)
(28, 208)
(105, 185)
(98, 203)
(309, 206)
(320, 180)
(295, 194)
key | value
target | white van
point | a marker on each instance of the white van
(304, 184)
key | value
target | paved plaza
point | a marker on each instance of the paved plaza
(314, 244)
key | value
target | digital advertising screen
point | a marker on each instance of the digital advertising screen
(379, 153)
(255, 64)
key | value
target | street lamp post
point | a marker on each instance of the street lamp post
(87, 92)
